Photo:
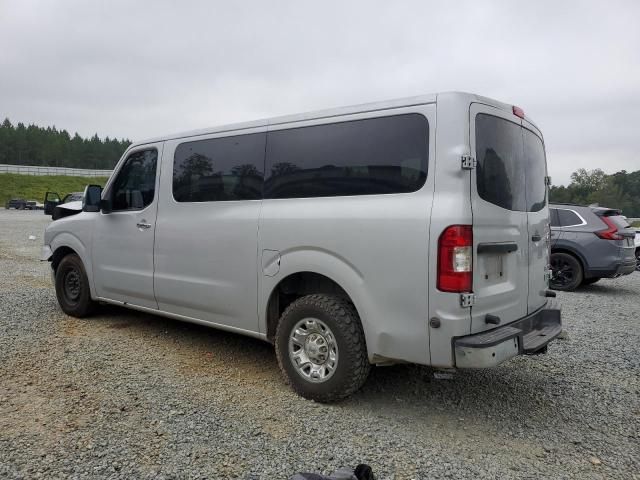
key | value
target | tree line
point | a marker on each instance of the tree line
(33, 145)
(619, 190)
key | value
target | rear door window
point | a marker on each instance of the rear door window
(500, 171)
(553, 217)
(535, 166)
(511, 165)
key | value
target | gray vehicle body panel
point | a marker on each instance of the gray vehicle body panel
(599, 257)
(218, 263)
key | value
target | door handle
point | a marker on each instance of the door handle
(507, 247)
(143, 225)
(536, 237)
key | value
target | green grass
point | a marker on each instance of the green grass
(33, 187)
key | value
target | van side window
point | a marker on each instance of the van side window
(135, 185)
(219, 169)
(500, 176)
(360, 157)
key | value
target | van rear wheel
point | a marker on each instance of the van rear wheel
(566, 272)
(321, 348)
(72, 287)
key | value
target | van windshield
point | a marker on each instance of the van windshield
(511, 165)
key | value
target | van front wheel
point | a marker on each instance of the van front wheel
(321, 348)
(72, 287)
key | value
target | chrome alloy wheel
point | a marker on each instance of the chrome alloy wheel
(313, 350)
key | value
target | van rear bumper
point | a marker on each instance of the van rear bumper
(527, 336)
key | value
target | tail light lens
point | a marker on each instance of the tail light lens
(455, 259)
(518, 112)
(610, 233)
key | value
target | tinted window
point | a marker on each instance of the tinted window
(500, 174)
(553, 217)
(535, 171)
(362, 157)
(568, 218)
(219, 169)
(134, 187)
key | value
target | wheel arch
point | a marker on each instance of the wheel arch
(64, 244)
(574, 253)
(296, 285)
(59, 254)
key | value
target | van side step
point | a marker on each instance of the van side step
(536, 339)
(490, 338)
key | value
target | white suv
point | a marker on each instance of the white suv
(412, 230)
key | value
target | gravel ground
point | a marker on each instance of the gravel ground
(128, 395)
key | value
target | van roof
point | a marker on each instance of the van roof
(461, 97)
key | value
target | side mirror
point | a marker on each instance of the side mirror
(105, 205)
(91, 199)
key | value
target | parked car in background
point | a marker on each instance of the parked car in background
(52, 200)
(589, 243)
(73, 197)
(17, 203)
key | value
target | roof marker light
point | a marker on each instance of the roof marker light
(518, 112)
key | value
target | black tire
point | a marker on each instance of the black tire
(638, 260)
(345, 330)
(566, 272)
(590, 281)
(72, 287)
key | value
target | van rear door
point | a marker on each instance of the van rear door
(500, 219)
(535, 172)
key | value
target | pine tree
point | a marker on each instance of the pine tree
(34, 145)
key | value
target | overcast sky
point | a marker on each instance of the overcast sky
(141, 69)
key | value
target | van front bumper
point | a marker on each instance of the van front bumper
(45, 253)
(527, 336)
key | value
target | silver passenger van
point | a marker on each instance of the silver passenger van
(413, 230)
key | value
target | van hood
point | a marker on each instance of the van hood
(76, 205)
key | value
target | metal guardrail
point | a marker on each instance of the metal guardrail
(68, 172)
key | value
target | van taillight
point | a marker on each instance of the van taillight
(455, 259)
(610, 233)
(518, 112)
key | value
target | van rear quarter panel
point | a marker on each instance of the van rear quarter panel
(451, 206)
(374, 246)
